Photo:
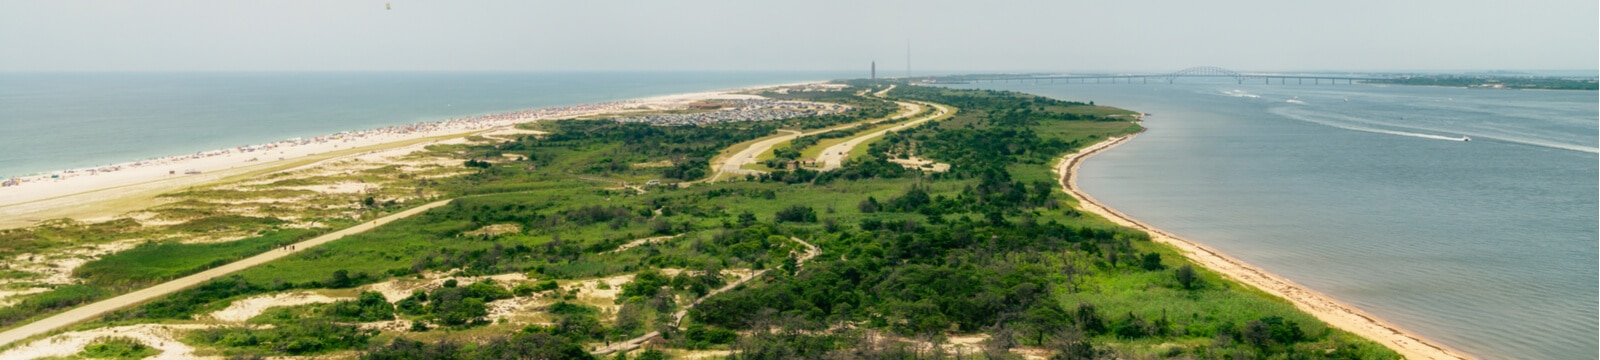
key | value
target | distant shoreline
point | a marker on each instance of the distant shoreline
(1337, 314)
(85, 193)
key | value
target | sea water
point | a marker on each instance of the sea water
(1367, 193)
(59, 121)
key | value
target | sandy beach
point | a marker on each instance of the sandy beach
(104, 192)
(1333, 312)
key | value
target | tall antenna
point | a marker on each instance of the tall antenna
(908, 58)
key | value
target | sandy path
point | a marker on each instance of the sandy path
(90, 311)
(833, 157)
(1333, 312)
(242, 310)
(638, 242)
(677, 317)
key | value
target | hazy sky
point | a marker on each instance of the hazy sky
(797, 35)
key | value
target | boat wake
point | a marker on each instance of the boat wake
(1240, 93)
(1370, 126)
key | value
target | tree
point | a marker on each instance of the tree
(746, 219)
(369, 306)
(870, 205)
(451, 307)
(631, 316)
(340, 279)
(1046, 319)
(791, 265)
(1152, 261)
(797, 213)
(1187, 277)
(1001, 340)
(1089, 320)
(1256, 333)
(1075, 346)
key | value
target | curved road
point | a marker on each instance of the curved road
(99, 308)
(833, 157)
(736, 163)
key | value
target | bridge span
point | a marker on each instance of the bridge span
(1199, 71)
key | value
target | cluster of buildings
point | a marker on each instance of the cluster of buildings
(740, 110)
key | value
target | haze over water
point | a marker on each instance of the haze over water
(1487, 246)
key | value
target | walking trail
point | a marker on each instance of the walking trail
(1333, 312)
(90, 311)
(677, 317)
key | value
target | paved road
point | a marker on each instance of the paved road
(735, 164)
(833, 157)
(90, 311)
(677, 317)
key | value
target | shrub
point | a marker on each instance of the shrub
(117, 348)
(797, 213)
(370, 306)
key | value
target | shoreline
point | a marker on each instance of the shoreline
(98, 193)
(1333, 312)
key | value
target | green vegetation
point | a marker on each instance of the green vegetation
(521, 345)
(57, 234)
(302, 337)
(49, 302)
(1004, 257)
(154, 262)
(198, 228)
(991, 247)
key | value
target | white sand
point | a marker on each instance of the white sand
(914, 162)
(5, 296)
(1337, 314)
(242, 310)
(55, 268)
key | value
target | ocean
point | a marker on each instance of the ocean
(59, 121)
(1367, 193)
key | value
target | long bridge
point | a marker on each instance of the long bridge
(1198, 71)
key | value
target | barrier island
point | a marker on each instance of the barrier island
(936, 227)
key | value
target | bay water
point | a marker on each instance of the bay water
(1368, 194)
